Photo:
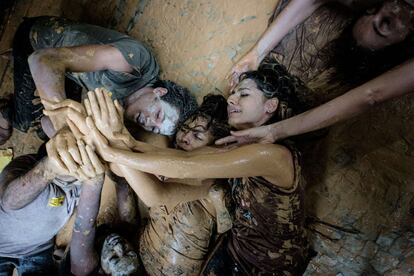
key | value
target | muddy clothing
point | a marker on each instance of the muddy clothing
(268, 235)
(52, 32)
(31, 229)
(175, 242)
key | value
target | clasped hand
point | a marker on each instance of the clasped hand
(98, 123)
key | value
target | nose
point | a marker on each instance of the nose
(232, 99)
(186, 138)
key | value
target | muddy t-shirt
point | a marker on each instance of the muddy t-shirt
(176, 241)
(54, 32)
(268, 235)
(32, 229)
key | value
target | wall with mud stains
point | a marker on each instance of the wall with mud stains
(195, 41)
(360, 176)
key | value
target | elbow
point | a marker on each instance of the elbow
(43, 56)
(8, 204)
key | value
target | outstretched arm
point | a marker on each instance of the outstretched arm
(273, 162)
(395, 83)
(153, 192)
(293, 14)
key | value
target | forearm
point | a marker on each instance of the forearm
(250, 160)
(293, 14)
(127, 205)
(153, 192)
(391, 84)
(82, 254)
(143, 147)
(24, 189)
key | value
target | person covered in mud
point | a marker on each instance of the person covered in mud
(46, 50)
(37, 198)
(332, 55)
(268, 233)
(103, 250)
(183, 217)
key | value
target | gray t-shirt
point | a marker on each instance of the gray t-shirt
(54, 32)
(32, 229)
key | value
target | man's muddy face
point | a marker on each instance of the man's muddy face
(117, 256)
(152, 113)
(391, 24)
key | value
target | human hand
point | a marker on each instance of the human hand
(97, 139)
(67, 109)
(262, 134)
(69, 157)
(249, 62)
(108, 117)
(58, 112)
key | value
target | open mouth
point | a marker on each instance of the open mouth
(233, 110)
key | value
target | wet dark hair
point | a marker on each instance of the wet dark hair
(274, 81)
(355, 64)
(179, 97)
(214, 110)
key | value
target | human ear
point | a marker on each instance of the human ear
(160, 91)
(271, 105)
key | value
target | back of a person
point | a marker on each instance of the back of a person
(268, 233)
(175, 242)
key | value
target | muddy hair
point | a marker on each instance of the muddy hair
(179, 97)
(355, 64)
(274, 81)
(214, 110)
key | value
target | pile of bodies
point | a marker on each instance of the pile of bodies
(219, 202)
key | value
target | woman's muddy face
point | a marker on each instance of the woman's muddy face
(246, 106)
(117, 256)
(391, 24)
(194, 134)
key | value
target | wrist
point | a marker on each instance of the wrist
(97, 181)
(277, 132)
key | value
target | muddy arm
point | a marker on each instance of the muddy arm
(83, 257)
(18, 191)
(273, 162)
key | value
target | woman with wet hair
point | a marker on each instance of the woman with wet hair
(382, 41)
(268, 234)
